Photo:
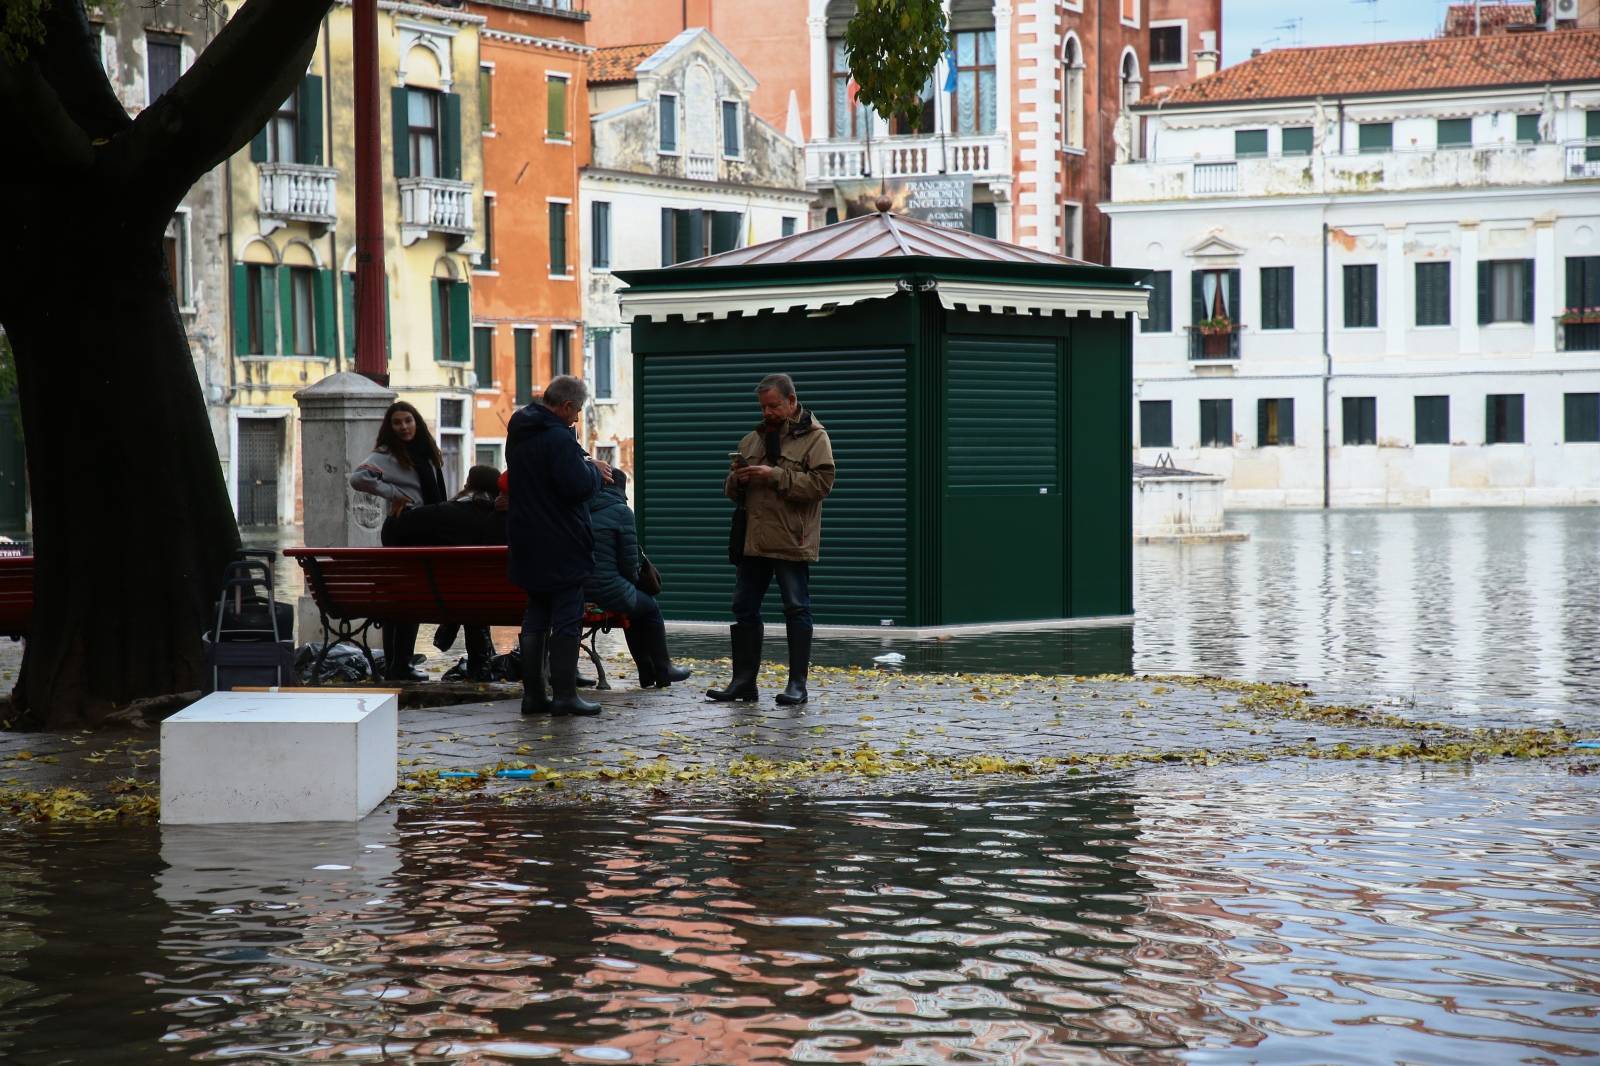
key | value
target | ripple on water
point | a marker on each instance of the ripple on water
(1285, 913)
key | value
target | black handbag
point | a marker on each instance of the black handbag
(649, 576)
(736, 532)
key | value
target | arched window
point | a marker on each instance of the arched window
(1130, 79)
(1072, 94)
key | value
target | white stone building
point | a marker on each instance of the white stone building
(680, 169)
(1377, 273)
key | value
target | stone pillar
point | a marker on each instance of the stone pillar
(821, 88)
(339, 420)
(1467, 287)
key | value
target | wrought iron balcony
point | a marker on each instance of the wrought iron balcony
(1213, 343)
(1579, 336)
(435, 205)
(1583, 160)
(296, 192)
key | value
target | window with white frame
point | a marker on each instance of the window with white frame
(667, 107)
(163, 64)
(732, 130)
(606, 453)
(453, 443)
(1169, 44)
(560, 351)
(604, 370)
(1130, 12)
(1072, 94)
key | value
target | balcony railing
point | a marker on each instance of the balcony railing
(295, 192)
(908, 156)
(1578, 336)
(700, 167)
(1216, 177)
(1211, 343)
(1485, 166)
(1583, 160)
(434, 205)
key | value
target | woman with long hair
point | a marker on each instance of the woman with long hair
(405, 469)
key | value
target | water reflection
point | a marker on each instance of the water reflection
(1313, 913)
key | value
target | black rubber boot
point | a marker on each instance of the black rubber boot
(746, 638)
(535, 699)
(799, 665)
(665, 672)
(480, 649)
(639, 648)
(564, 679)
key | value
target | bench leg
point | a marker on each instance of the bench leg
(600, 681)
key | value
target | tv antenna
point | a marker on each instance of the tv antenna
(1292, 25)
(1373, 18)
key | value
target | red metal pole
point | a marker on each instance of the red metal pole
(372, 346)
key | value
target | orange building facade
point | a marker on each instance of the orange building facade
(527, 311)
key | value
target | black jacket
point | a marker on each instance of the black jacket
(456, 523)
(615, 583)
(552, 480)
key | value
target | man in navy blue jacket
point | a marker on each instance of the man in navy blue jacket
(552, 545)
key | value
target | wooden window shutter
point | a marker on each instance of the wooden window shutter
(1574, 282)
(1198, 311)
(310, 120)
(324, 343)
(450, 136)
(1263, 423)
(269, 311)
(400, 127)
(1514, 419)
(668, 241)
(1485, 293)
(435, 287)
(1235, 297)
(347, 283)
(241, 309)
(1527, 291)
(1286, 421)
(286, 309)
(460, 321)
(258, 146)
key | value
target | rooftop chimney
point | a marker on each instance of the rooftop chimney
(1206, 56)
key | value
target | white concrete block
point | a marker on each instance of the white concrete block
(279, 757)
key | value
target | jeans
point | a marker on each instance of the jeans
(755, 577)
(558, 612)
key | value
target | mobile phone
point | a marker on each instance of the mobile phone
(738, 460)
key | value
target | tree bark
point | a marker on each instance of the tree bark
(132, 523)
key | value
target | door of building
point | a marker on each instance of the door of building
(1003, 512)
(13, 470)
(260, 453)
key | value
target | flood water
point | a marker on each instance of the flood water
(1289, 912)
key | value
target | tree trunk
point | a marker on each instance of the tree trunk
(132, 524)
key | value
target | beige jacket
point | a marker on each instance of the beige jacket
(786, 509)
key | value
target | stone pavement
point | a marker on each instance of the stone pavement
(861, 724)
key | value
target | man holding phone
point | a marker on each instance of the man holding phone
(781, 473)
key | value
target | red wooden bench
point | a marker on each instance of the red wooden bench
(355, 588)
(16, 595)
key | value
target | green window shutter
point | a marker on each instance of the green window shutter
(1285, 421)
(1350, 420)
(1432, 415)
(1485, 293)
(1527, 129)
(689, 239)
(241, 310)
(1513, 419)
(450, 135)
(558, 238)
(400, 126)
(1235, 311)
(258, 146)
(1263, 423)
(1155, 423)
(310, 131)
(1248, 143)
(1591, 281)
(523, 355)
(322, 313)
(1297, 140)
(1375, 136)
(1582, 410)
(1159, 320)
(1527, 291)
(1454, 132)
(668, 243)
(1574, 282)
(1591, 133)
(724, 231)
(347, 287)
(286, 310)
(1369, 296)
(1224, 422)
(460, 321)
(1198, 311)
(388, 325)
(483, 355)
(434, 287)
(1269, 298)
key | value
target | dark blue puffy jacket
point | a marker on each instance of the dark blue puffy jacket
(552, 480)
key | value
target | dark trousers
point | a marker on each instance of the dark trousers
(558, 612)
(646, 611)
(399, 645)
(755, 577)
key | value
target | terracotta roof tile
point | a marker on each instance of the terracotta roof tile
(1397, 67)
(1459, 20)
(611, 66)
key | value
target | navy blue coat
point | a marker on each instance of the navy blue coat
(552, 481)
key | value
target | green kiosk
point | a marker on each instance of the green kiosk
(979, 399)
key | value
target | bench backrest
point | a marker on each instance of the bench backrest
(468, 586)
(16, 595)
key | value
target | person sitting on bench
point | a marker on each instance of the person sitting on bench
(614, 585)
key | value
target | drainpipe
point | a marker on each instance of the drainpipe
(1327, 363)
(1339, 110)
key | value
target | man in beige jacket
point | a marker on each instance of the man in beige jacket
(781, 474)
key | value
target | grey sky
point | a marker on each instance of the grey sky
(1248, 24)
